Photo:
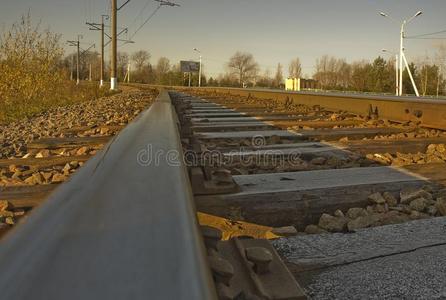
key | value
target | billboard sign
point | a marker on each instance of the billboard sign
(189, 66)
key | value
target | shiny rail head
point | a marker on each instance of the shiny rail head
(116, 229)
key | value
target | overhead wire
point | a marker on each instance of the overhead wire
(140, 13)
(425, 34)
(145, 22)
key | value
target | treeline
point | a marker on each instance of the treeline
(377, 76)
(162, 72)
(333, 73)
(242, 70)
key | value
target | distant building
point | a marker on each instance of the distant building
(298, 84)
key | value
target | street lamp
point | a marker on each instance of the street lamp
(397, 91)
(402, 56)
(199, 72)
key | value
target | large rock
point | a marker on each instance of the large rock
(390, 199)
(356, 212)
(339, 213)
(441, 205)
(285, 231)
(314, 229)
(377, 198)
(409, 194)
(333, 224)
(82, 151)
(43, 153)
(393, 217)
(416, 215)
(58, 178)
(432, 210)
(418, 204)
(5, 205)
(381, 208)
(34, 179)
(362, 222)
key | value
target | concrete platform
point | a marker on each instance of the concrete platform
(403, 261)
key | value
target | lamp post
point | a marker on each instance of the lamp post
(402, 56)
(397, 90)
(199, 72)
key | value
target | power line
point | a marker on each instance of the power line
(425, 34)
(140, 13)
(161, 3)
(421, 38)
(145, 22)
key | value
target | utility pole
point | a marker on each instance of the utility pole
(77, 45)
(128, 72)
(114, 45)
(77, 60)
(402, 56)
(72, 67)
(397, 84)
(114, 42)
(101, 82)
(199, 71)
(101, 27)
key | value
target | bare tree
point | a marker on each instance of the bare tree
(440, 58)
(140, 59)
(244, 65)
(163, 65)
(142, 66)
(162, 69)
(122, 61)
(295, 68)
(278, 78)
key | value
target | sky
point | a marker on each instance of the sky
(274, 31)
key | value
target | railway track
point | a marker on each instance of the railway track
(234, 195)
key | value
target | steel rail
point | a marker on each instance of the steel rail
(428, 112)
(120, 228)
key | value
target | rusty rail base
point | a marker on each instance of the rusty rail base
(425, 111)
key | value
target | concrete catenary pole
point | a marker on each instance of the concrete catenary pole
(400, 83)
(77, 60)
(101, 84)
(114, 46)
(397, 90)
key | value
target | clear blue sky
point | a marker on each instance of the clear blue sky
(274, 30)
